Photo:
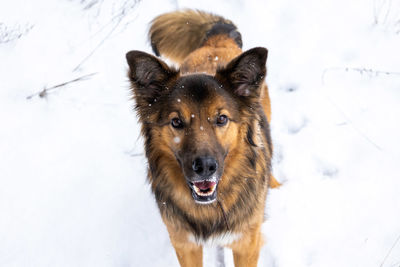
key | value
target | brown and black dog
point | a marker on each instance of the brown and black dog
(206, 132)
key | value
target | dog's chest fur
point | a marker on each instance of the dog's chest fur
(223, 239)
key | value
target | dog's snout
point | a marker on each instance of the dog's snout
(204, 166)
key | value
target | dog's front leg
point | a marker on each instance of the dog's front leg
(189, 254)
(246, 250)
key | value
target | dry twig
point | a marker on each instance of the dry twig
(45, 91)
(12, 33)
(371, 73)
(117, 19)
(390, 251)
(361, 71)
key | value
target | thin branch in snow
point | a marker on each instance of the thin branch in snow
(381, 10)
(348, 121)
(9, 34)
(136, 154)
(347, 118)
(97, 46)
(370, 72)
(90, 4)
(123, 11)
(45, 91)
(175, 3)
(133, 152)
(390, 251)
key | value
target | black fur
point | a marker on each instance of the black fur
(196, 87)
(244, 74)
(250, 136)
(225, 28)
(266, 130)
(155, 49)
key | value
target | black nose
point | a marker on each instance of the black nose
(204, 166)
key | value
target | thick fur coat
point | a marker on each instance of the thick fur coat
(206, 131)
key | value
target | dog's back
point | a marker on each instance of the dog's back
(200, 42)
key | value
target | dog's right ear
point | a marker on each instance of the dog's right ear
(149, 77)
(245, 73)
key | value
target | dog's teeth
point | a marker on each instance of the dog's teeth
(198, 191)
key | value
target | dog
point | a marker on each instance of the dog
(206, 133)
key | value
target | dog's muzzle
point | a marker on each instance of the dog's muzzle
(205, 182)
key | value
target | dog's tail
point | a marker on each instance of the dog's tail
(175, 35)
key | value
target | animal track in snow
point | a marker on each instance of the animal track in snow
(296, 125)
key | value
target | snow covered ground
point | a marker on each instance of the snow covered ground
(72, 174)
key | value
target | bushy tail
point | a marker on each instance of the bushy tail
(175, 35)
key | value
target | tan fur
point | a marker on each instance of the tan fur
(217, 51)
(246, 250)
(188, 254)
(170, 32)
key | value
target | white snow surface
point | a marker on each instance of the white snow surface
(73, 188)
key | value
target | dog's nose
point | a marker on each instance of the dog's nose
(204, 166)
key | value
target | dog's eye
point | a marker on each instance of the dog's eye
(177, 123)
(222, 120)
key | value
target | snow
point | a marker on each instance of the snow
(73, 188)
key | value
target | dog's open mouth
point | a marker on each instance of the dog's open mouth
(204, 192)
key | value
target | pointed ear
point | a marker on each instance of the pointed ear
(149, 76)
(245, 73)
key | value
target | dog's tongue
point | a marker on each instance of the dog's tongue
(204, 184)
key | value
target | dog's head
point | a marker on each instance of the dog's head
(192, 123)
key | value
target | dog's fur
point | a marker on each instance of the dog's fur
(213, 112)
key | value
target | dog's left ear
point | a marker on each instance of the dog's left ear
(149, 77)
(245, 73)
